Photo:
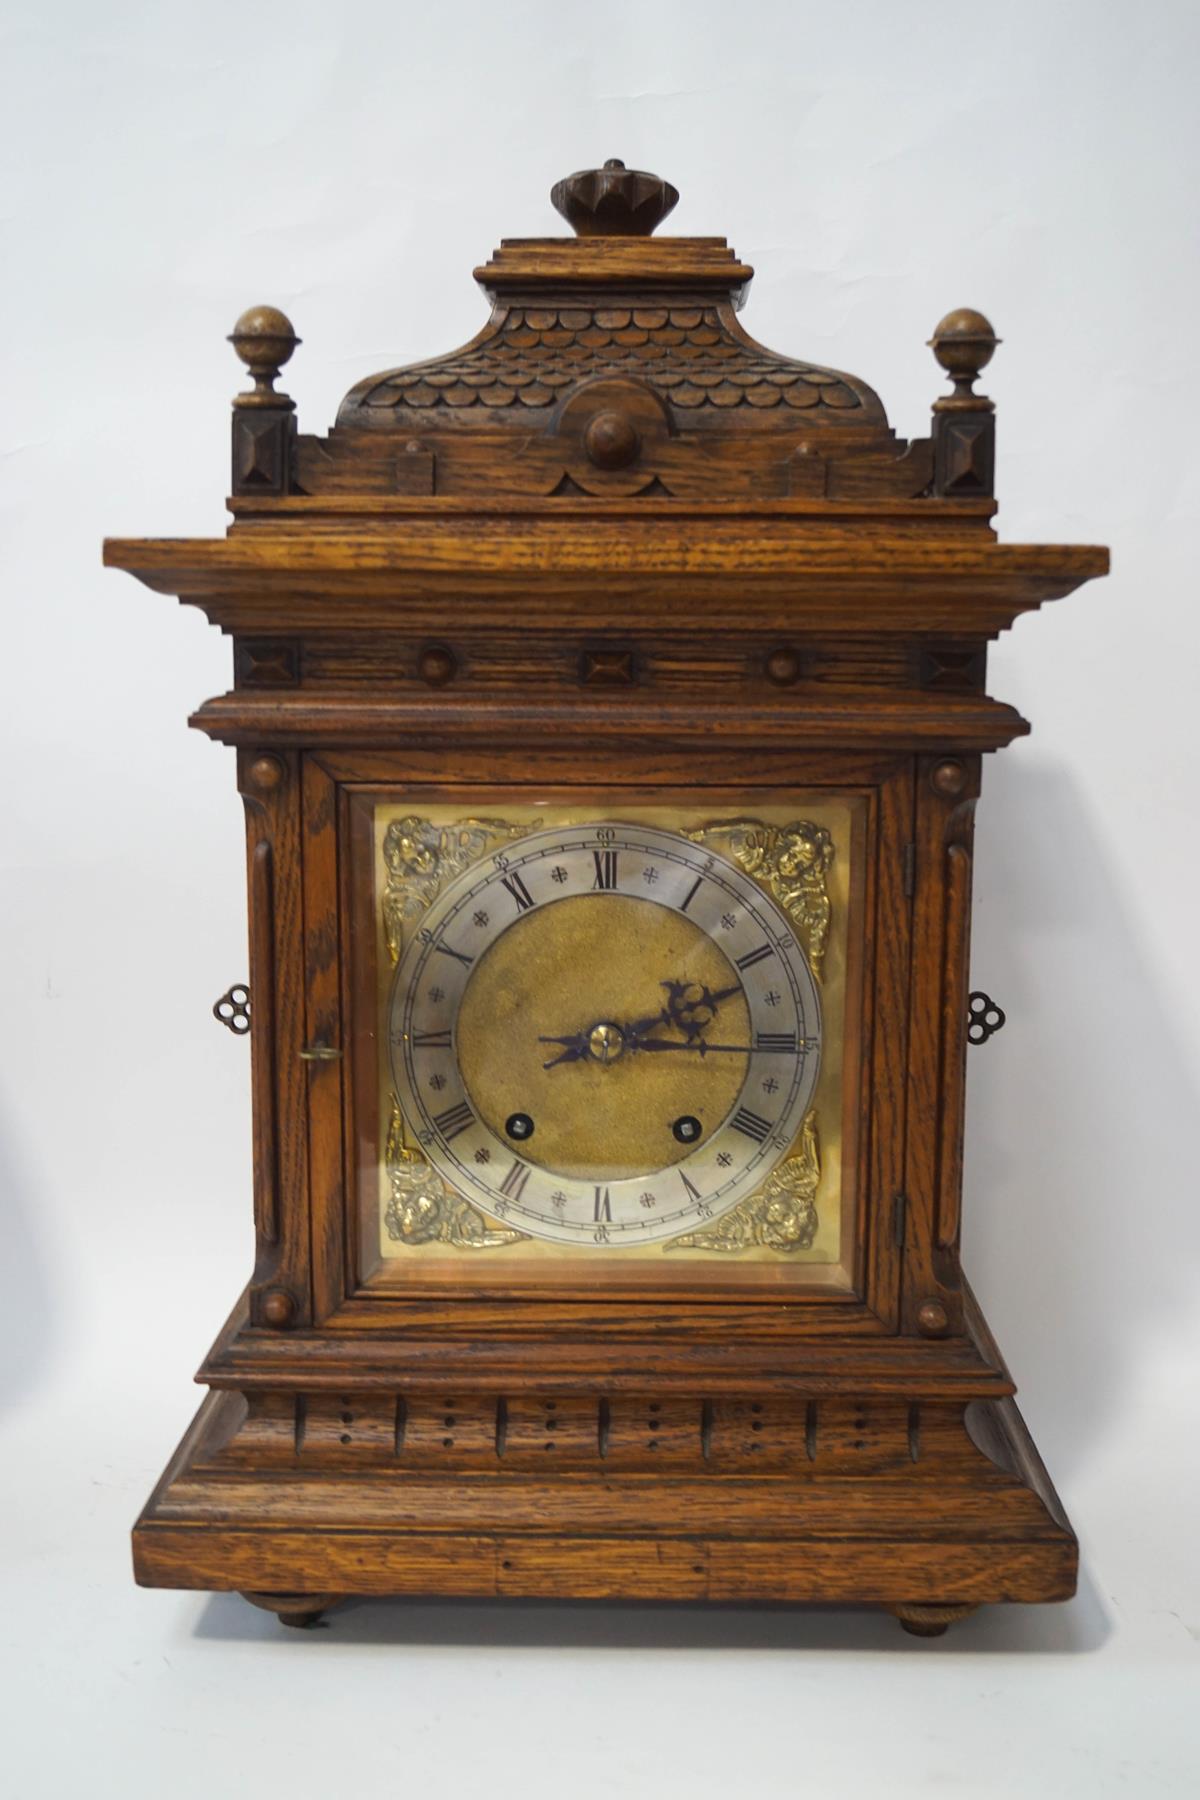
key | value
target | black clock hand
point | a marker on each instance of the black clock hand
(681, 1012)
(636, 1026)
(577, 1045)
(698, 1048)
(576, 1048)
(726, 993)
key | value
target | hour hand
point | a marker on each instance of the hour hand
(574, 1048)
(692, 1006)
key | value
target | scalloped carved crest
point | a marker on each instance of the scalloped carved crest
(691, 355)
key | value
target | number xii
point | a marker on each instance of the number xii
(606, 870)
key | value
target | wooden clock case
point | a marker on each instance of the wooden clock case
(613, 544)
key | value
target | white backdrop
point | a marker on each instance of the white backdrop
(165, 165)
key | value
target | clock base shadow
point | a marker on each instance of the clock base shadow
(1077, 1627)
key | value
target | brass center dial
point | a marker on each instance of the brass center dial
(577, 991)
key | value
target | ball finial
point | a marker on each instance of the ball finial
(264, 339)
(963, 343)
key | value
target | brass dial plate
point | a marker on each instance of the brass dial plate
(707, 1066)
(421, 1231)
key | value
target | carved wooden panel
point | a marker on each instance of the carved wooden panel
(543, 1435)
(270, 787)
(757, 663)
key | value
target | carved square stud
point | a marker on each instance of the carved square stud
(607, 668)
(965, 454)
(262, 442)
(960, 667)
(266, 662)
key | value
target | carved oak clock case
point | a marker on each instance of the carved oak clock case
(609, 703)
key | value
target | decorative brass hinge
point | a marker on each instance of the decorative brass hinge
(320, 1053)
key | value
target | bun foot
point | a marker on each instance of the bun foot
(298, 1610)
(929, 1621)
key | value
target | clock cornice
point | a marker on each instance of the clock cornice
(816, 571)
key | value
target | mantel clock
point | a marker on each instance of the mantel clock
(609, 699)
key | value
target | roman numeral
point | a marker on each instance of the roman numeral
(693, 1192)
(691, 893)
(754, 956)
(431, 1040)
(776, 1040)
(458, 955)
(603, 1206)
(514, 1182)
(750, 1125)
(518, 890)
(606, 869)
(454, 1120)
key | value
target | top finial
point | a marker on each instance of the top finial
(963, 343)
(613, 201)
(264, 339)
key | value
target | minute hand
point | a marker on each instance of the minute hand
(698, 1048)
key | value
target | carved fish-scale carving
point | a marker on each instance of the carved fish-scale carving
(690, 353)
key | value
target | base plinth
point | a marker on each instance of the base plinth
(927, 1508)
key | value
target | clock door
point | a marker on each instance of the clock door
(616, 1041)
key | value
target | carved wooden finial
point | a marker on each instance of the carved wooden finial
(613, 201)
(963, 343)
(264, 339)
